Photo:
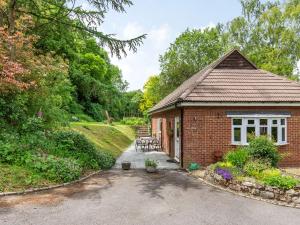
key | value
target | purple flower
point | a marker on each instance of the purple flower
(224, 173)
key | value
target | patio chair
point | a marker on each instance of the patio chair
(138, 143)
(155, 145)
(144, 145)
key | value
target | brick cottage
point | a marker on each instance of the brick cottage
(216, 109)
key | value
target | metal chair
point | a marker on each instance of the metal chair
(155, 145)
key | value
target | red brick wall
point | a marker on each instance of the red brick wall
(167, 120)
(208, 129)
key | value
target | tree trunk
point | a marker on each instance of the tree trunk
(11, 27)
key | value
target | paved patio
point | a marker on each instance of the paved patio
(137, 159)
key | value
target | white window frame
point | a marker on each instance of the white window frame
(257, 126)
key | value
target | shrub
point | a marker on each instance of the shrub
(237, 157)
(283, 182)
(224, 173)
(53, 168)
(263, 148)
(254, 168)
(150, 163)
(227, 166)
(76, 145)
(133, 121)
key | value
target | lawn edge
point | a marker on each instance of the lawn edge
(51, 187)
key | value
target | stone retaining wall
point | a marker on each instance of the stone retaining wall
(251, 187)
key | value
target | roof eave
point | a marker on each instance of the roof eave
(189, 103)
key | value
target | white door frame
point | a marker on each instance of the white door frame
(177, 139)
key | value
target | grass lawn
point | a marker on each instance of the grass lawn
(15, 178)
(112, 138)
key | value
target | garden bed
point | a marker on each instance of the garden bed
(252, 171)
(251, 186)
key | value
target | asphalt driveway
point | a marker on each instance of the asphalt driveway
(136, 198)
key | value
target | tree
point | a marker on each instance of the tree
(69, 13)
(191, 52)
(268, 33)
(151, 93)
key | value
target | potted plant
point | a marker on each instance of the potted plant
(126, 165)
(151, 166)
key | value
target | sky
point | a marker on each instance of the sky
(162, 21)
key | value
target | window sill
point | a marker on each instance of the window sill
(277, 144)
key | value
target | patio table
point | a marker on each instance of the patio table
(145, 142)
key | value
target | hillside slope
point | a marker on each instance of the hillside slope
(114, 139)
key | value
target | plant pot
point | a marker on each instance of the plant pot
(126, 165)
(151, 169)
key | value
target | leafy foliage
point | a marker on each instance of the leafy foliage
(254, 168)
(264, 148)
(267, 32)
(283, 182)
(133, 121)
(150, 163)
(237, 157)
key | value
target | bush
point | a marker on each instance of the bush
(254, 168)
(283, 182)
(53, 168)
(226, 174)
(77, 146)
(237, 157)
(133, 121)
(263, 148)
(227, 166)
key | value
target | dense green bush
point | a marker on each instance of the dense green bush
(76, 145)
(265, 149)
(237, 157)
(57, 156)
(53, 168)
(280, 181)
(133, 121)
(254, 168)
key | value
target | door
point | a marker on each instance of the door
(177, 138)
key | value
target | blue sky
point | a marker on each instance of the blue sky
(163, 21)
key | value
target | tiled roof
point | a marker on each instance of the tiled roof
(233, 78)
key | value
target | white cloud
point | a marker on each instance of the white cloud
(137, 67)
(132, 30)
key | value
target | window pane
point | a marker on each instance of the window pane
(283, 134)
(237, 121)
(263, 131)
(274, 121)
(237, 134)
(274, 133)
(250, 121)
(263, 121)
(282, 121)
(250, 133)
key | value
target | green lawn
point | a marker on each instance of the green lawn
(15, 178)
(114, 139)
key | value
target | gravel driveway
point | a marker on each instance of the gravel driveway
(136, 198)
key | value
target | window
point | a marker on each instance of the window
(244, 128)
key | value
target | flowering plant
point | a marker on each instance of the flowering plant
(224, 173)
